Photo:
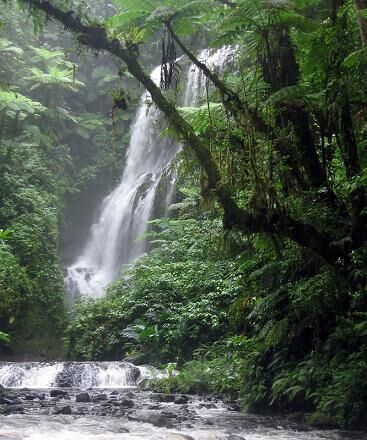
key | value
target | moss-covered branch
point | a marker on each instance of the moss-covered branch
(95, 36)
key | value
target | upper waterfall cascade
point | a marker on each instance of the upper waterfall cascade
(125, 213)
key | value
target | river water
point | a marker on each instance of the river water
(105, 400)
(209, 424)
(88, 428)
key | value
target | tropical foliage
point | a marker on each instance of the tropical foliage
(55, 147)
(259, 285)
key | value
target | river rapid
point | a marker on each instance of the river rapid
(135, 414)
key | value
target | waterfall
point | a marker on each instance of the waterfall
(39, 375)
(125, 213)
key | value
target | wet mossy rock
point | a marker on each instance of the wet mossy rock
(83, 397)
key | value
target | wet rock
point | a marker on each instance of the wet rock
(322, 422)
(127, 403)
(10, 396)
(5, 401)
(235, 407)
(99, 397)
(2, 390)
(64, 410)
(55, 393)
(64, 381)
(181, 400)
(169, 414)
(232, 437)
(134, 374)
(154, 418)
(83, 397)
(30, 396)
(208, 405)
(163, 397)
(296, 417)
(106, 404)
(10, 400)
(114, 393)
(70, 376)
(144, 384)
(13, 409)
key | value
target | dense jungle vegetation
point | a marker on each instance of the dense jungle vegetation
(255, 287)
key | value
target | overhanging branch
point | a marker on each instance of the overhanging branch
(234, 216)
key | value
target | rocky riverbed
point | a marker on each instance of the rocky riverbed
(134, 414)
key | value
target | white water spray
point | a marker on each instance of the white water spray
(39, 375)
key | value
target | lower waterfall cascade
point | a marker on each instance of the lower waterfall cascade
(125, 213)
(39, 375)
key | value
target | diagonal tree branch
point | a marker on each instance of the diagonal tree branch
(243, 112)
(269, 222)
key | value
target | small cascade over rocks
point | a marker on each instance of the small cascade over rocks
(39, 375)
(125, 213)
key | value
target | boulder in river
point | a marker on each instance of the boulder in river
(99, 397)
(10, 399)
(13, 409)
(181, 400)
(83, 397)
(152, 417)
(134, 373)
(232, 437)
(63, 410)
(55, 393)
(6, 401)
(31, 396)
(234, 406)
(69, 376)
(127, 403)
(163, 397)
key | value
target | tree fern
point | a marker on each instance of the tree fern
(10, 49)
(13, 102)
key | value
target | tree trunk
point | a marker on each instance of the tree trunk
(361, 6)
(306, 145)
(353, 169)
(335, 6)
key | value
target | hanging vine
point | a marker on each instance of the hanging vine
(170, 70)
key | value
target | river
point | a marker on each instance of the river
(106, 411)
